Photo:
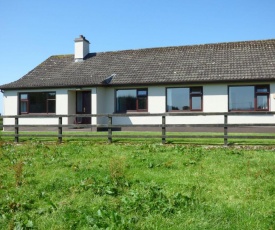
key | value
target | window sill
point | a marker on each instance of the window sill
(185, 111)
(132, 112)
(249, 111)
(36, 114)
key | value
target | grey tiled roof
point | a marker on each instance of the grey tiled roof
(221, 62)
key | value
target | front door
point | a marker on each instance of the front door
(83, 106)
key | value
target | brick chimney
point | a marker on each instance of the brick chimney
(81, 48)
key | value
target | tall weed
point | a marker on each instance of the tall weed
(18, 172)
(117, 169)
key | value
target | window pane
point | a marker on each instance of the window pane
(262, 89)
(51, 95)
(196, 90)
(23, 107)
(142, 93)
(125, 100)
(142, 103)
(24, 96)
(262, 102)
(51, 106)
(79, 102)
(241, 98)
(178, 99)
(196, 103)
(38, 102)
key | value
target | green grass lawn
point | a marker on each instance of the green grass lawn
(89, 185)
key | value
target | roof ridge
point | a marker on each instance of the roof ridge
(194, 45)
(61, 55)
(215, 62)
(207, 45)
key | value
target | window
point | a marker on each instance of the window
(131, 100)
(184, 99)
(249, 98)
(24, 104)
(42, 102)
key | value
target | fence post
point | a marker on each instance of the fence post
(16, 130)
(109, 129)
(163, 129)
(225, 130)
(60, 130)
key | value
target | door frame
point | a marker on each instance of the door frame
(85, 98)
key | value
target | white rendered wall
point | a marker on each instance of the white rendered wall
(156, 99)
(104, 103)
(272, 97)
(156, 104)
(71, 105)
(257, 118)
(94, 105)
(62, 104)
(11, 107)
(10, 104)
(215, 99)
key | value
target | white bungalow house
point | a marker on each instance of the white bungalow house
(222, 77)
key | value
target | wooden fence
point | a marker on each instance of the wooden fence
(109, 126)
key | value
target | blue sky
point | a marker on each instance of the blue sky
(33, 30)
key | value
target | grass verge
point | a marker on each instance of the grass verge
(88, 185)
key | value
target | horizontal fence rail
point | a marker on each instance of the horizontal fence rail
(109, 126)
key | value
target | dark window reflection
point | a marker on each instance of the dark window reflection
(184, 99)
(126, 100)
(249, 98)
(131, 100)
(37, 102)
(241, 98)
(196, 103)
